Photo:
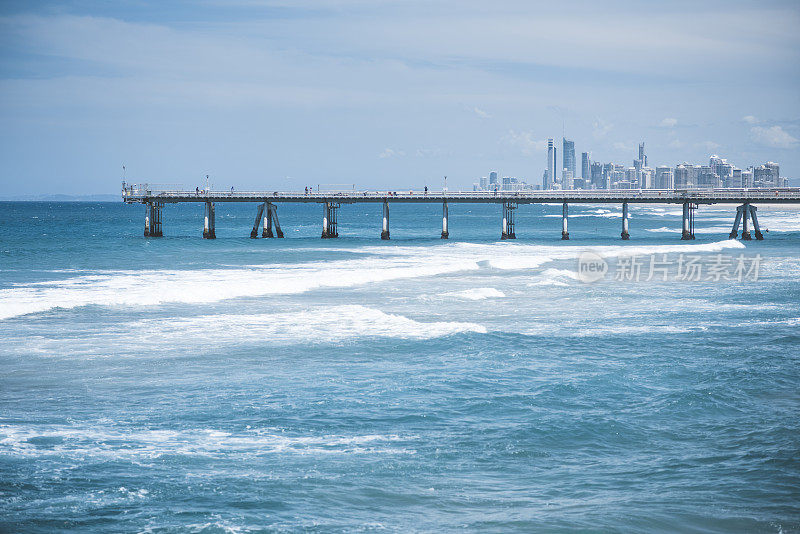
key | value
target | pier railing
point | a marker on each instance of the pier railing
(136, 193)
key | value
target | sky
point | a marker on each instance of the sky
(282, 94)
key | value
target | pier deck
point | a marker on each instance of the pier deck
(143, 194)
(155, 198)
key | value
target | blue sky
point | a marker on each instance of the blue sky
(280, 94)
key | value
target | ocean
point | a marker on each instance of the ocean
(178, 384)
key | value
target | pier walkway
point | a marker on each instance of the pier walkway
(267, 225)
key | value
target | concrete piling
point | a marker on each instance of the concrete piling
(257, 223)
(273, 211)
(625, 234)
(687, 231)
(756, 228)
(508, 221)
(152, 219)
(209, 226)
(445, 225)
(329, 220)
(745, 221)
(385, 224)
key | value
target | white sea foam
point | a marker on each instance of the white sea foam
(477, 293)
(554, 277)
(607, 330)
(81, 441)
(142, 288)
(317, 325)
(596, 213)
(697, 230)
(382, 264)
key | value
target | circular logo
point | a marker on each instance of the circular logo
(591, 267)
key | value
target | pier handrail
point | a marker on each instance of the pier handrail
(146, 192)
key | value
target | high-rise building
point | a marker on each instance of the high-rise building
(492, 178)
(597, 175)
(484, 183)
(682, 176)
(665, 178)
(606, 176)
(767, 175)
(707, 178)
(549, 176)
(776, 173)
(723, 169)
(555, 176)
(747, 177)
(736, 178)
(647, 178)
(642, 156)
(569, 156)
(566, 178)
(585, 166)
(686, 176)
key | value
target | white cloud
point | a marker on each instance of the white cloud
(750, 119)
(669, 122)
(676, 143)
(525, 142)
(708, 145)
(391, 153)
(600, 128)
(482, 114)
(619, 145)
(774, 136)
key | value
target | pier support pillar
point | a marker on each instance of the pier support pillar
(385, 225)
(445, 221)
(209, 226)
(266, 229)
(272, 213)
(625, 234)
(259, 219)
(152, 219)
(688, 221)
(745, 222)
(329, 220)
(735, 230)
(564, 217)
(756, 228)
(508, 221)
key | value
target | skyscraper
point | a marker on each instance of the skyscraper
(665, 177)
(597, 175)
(767, 175)
(642, 156)
(585, 166)
(569, 156)
(551, 165)
(493, 181)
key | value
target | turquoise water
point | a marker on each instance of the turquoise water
(237, 385)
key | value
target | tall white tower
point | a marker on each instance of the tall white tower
(549, 178)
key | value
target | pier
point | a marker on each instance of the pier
(266, 217)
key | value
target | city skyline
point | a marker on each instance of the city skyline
(718, 173)
(281, 95)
